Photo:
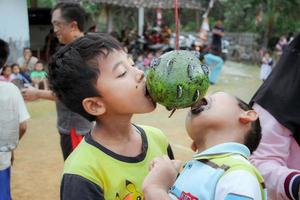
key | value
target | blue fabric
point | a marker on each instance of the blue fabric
(5, 184)
(237, 197)
(197, 180)
(229, 147)
(215, 64)
(295, 187)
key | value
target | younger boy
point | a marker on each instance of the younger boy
(224, 131)
(13, 124)
(94, 77)
(38, 76)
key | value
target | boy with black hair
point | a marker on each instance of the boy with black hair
(225, 131)
(94, 77)
(13, 124)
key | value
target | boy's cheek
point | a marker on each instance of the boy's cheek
(188, 120)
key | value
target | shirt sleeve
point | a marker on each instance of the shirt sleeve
(75, 187)
(238, 185)
(271, 157)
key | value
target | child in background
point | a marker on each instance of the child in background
(224, 130)
(16, 75)
(266, 66)
(147, 60)
(94, 77)
(39, 76)
(140, 62)
(6, 74)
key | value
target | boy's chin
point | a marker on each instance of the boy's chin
(153, 106)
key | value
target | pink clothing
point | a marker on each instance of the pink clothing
(2, 78)
(277, 157)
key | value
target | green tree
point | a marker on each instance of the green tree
(278, 17)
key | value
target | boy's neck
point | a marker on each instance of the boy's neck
(119, 136)
(215, 137)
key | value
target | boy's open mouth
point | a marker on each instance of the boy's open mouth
(200, 106)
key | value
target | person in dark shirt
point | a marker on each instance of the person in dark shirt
(68, 24)
(217, 34)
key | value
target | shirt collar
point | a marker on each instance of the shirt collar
(230, 147)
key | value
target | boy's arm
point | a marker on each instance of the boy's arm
(31, 94)
(161, 177)
(23, 114)
(22, 129)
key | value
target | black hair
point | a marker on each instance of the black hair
(4, 52)
(26, 48)
(72, 12)
(40, 62)
(253, 136)
(15, 64)
(4, 68)
(74, 70)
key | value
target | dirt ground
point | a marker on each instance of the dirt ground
(38, 162)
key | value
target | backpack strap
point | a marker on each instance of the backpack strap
(229, 163)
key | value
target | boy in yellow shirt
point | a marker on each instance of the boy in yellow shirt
(94, 77)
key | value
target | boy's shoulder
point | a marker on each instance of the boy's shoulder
(234, 161)
(150, 130)
(152, 133)
(85, 161)
(11, 91)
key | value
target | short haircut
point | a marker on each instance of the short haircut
(26, 48)
(15, 64)
(72, 12)
(4, 52)
(253, 137)
(74, 70)
(4, 68)
(40, 62)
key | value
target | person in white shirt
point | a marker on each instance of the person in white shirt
(13, 125)
(27, 62)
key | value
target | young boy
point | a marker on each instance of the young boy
(38, 76)
(13, 124)
(224, 131)
(94, 77)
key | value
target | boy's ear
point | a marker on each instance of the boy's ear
(93, 106)
(248, 116)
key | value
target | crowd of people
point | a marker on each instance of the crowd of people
(243, 151)
(26, 71)
(270, 58)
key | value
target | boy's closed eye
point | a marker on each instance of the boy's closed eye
(122, 74)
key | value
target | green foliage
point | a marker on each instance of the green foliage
(42, 3)
(91, 7)
(279, 17)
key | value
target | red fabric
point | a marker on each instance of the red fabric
(287, 183)
(75, 139)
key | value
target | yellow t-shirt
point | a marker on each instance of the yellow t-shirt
(113, 176)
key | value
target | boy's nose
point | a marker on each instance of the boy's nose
(140, 75)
